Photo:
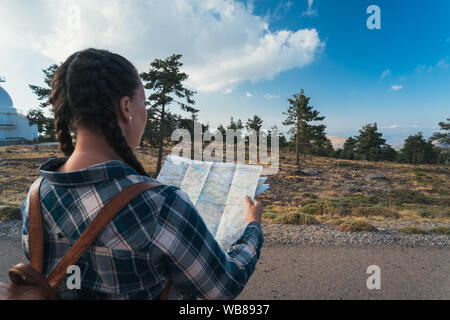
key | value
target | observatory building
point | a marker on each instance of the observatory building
(14, 127)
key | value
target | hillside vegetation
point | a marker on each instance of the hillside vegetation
(331, 191)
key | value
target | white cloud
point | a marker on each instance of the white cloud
(248, 95)
(444, 63)
(223, 43)
(413, 126)
(281, 9)
(420, 68)
(310, 11)
(396, 87)
(386, 73)
(271, 96)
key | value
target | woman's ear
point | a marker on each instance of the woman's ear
(124, 109)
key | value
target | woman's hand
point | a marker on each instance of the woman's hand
(254, 210)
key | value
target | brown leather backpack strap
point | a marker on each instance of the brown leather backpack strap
(24, 274)
(35, 229)
(166, 290)
(103, 218)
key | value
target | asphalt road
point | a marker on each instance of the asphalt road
(325, 272)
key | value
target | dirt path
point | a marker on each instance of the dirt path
(326, 272)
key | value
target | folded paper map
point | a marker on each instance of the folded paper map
(217, 191)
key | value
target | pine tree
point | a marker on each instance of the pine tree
(235, 125)
(36, 116)
(299, 116)
(350, 148)
(43, 93)
(417, 150)
(254, 124)
(318, 144)
(44, 124)
(443, 140)
(388, 153)
(164, 79)
(443, 137)
(369, 142)
(222, 130)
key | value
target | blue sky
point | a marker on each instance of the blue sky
(248, 57)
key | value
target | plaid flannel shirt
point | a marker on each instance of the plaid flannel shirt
(158, 233)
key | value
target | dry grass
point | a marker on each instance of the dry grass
(417, 193)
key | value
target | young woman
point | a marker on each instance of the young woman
(99, 95)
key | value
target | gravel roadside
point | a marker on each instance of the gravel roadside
(10, 230)
(276, 234)
(322, 234)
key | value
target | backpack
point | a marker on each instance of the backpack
(27, 282)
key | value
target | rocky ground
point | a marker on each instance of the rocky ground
(10, 230)
(326, 177)
(276, 234)
(323, 234)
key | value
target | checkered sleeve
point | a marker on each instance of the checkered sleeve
(199, 267)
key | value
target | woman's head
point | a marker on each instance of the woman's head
(101, 91)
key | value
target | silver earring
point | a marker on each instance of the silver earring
(131, 117)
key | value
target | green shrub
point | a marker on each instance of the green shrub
(315, 208)
(412, 230)
(310, 195)
(426, 214)
(441, 230)
(399, 197)
(295, 218)
(269, 214)
(370, 211)
(335, 222)
(8, 213)
(355, 226)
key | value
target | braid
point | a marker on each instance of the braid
(97, 79)
(63, 136)
(61, 110)
(114, 137)
(108, 120)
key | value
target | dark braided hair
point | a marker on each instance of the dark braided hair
(85, 91)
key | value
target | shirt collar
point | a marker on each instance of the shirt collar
(97, 173)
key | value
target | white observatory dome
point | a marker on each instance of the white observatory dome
(6, 104)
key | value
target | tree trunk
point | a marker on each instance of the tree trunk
(161, 141)
(297, 147)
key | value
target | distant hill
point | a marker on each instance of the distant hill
(337, 142)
